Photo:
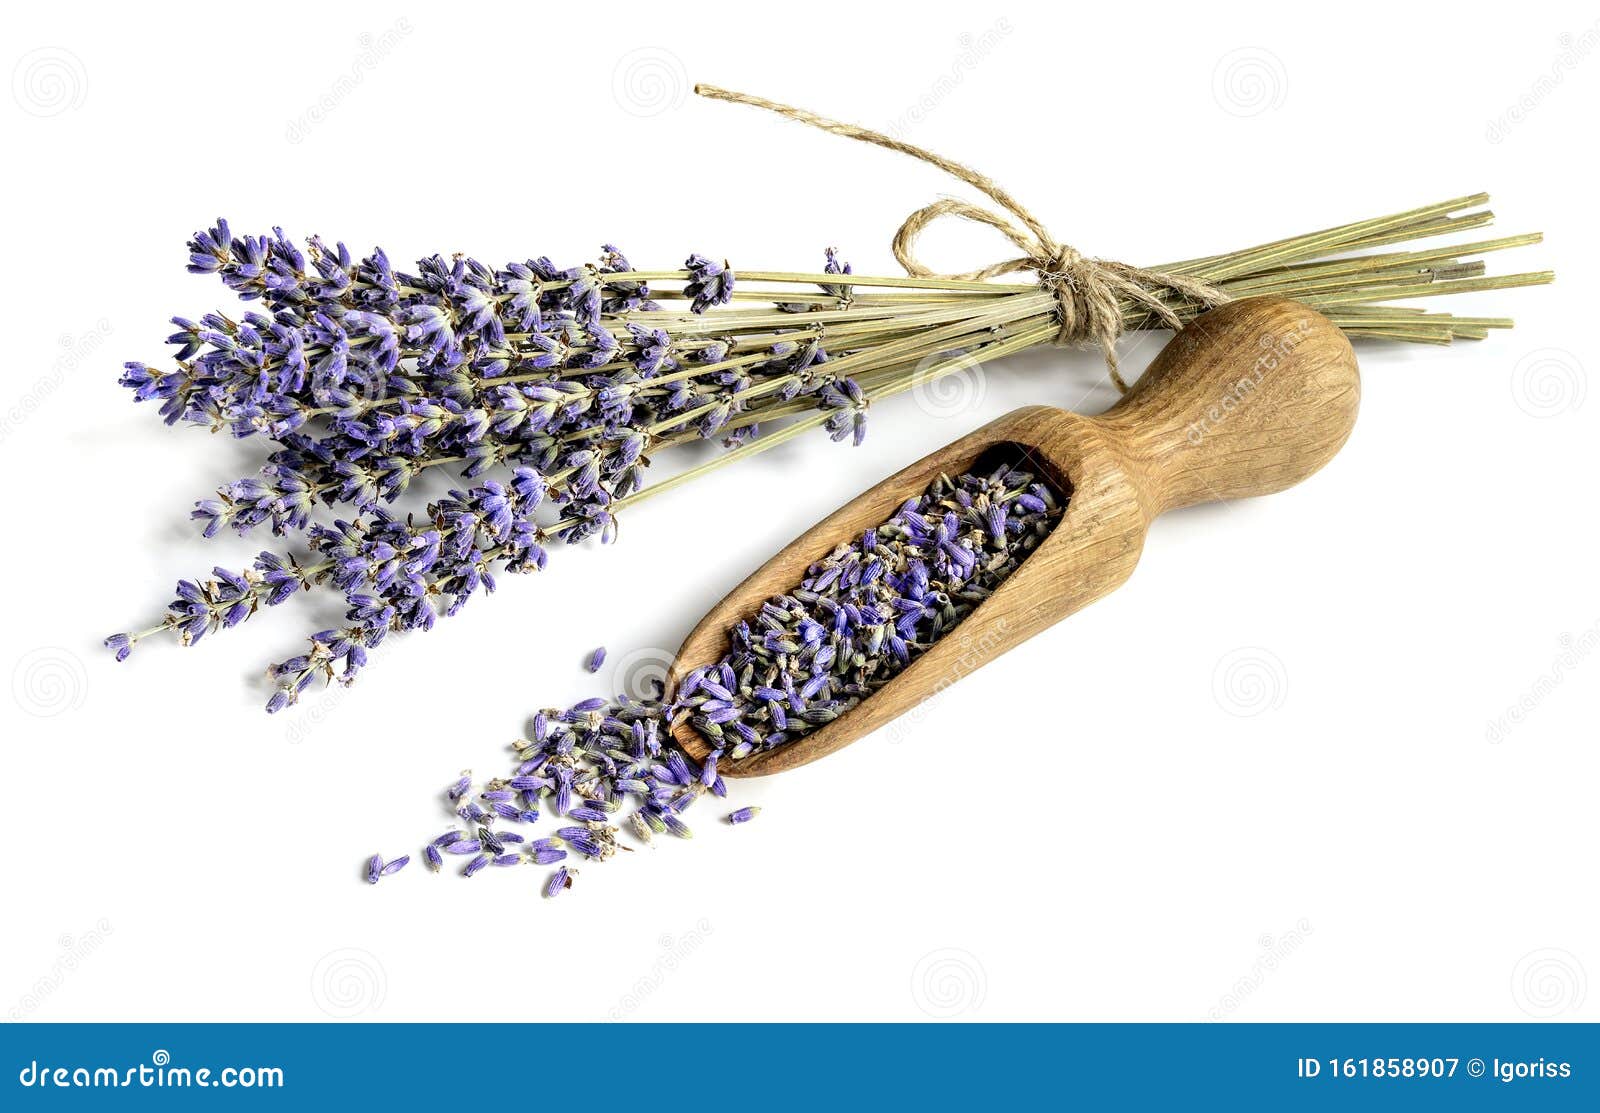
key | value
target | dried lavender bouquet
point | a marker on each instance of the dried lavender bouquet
(554, 390)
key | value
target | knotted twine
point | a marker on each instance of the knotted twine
(1089, 293)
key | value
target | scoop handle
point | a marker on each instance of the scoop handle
(1246, 400)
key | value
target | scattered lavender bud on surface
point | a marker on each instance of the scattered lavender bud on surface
(859, 616)
(595, 659)
(559, 880)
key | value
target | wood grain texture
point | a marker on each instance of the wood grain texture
(1247, 400)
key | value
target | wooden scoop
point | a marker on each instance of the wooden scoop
(1248, 399)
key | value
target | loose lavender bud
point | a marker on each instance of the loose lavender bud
(804, 659)
(595, 659)
(435, 861)
(559, 880)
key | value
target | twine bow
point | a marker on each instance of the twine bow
(1092, 295)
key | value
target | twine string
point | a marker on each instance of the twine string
(1089, 293)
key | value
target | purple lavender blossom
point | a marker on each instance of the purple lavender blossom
(710, 283)
(865, 612)
(366, 376)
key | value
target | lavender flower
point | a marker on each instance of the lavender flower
(710, 283)
(858, 617)
(866, 611)
(558, 381)
(559, 880)
(378, 868)
(596, 659)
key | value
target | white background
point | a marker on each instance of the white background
(1257, 783)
